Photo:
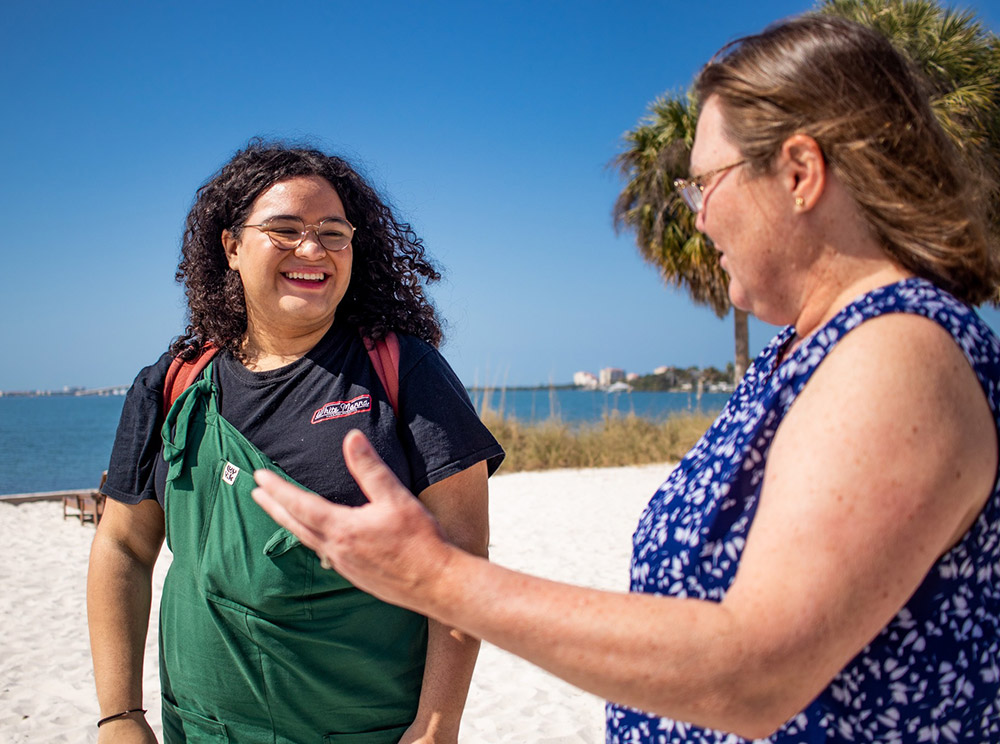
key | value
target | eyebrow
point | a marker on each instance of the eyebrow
(694, 175)
(700, 175)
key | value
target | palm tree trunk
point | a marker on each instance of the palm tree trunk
(742, 337)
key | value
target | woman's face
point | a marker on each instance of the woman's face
(291, 292)
(747, 218)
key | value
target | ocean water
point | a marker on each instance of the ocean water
(584, 406)
(64, 442)
(55, 443)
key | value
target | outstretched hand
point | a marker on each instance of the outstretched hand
(391, 547)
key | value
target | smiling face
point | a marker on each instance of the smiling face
(749, 219)
(290, 293)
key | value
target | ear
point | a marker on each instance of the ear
(231, 246)
(804, 170)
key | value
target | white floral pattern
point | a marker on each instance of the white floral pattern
(932, 674)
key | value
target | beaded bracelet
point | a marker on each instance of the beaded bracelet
(120, 715)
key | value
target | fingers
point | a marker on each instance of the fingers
(296, 500)
(292, 507)
(278, 512)
(377, 481)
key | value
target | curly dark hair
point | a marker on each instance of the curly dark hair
(389, 271)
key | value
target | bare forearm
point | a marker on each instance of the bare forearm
(119, 590)
(679, 658)
(451, 659)
(460, 504)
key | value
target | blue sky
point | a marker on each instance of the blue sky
(489, 126)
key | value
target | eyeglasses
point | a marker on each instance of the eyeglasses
(287, 233)
(692, 190)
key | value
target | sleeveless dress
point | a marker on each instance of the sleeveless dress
(933, 673)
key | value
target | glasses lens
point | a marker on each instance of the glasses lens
(690, 193)
(335, 234)
(285, 232)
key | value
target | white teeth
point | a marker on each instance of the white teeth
(305, 276)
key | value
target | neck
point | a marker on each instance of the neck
(848, 260)
(838, 287)
(264, 350)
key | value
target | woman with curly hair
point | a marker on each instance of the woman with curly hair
(304, 282)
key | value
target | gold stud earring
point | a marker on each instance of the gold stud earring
(800, 202)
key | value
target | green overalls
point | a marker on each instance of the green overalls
(258, 643)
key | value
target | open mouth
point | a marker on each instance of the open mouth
(308, 277)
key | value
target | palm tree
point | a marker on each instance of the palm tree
(962, 63)
(960, 59)
(657, 153)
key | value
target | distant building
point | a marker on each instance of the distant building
(632, 376)
(585, 380)
(669, 375)
(610, 375)
(721, 387)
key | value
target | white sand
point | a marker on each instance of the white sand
(569, 525)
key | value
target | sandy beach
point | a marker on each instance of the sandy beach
(568, 525)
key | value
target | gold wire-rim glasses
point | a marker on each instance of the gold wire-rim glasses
(692, 190)
(296, 231)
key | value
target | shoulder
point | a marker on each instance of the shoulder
(415, 352)
(414, 345)
(150, 379)
(896, 401)
(905, 352)
(143, 406)
(896, 365)
(423, 371)
(920, 298)
(137, 439)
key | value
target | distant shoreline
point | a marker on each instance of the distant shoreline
(67, 393)
(123, 389)
(492, 388)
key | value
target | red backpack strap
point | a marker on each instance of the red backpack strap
(182, 373)
(384, 355)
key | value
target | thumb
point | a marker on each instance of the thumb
(377, 481)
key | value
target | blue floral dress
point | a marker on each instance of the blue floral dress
(932, 674)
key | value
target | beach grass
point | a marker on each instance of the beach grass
(615, 441)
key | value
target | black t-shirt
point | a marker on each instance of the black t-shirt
(298, 416)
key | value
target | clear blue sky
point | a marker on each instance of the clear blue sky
(489, 125)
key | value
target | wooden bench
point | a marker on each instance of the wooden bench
(87, 505)
(71, 506)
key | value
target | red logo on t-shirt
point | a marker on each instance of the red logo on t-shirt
(340, 408)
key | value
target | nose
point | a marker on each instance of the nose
(310, 247)
(699, 219)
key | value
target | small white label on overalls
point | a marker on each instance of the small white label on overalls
(229, 473)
